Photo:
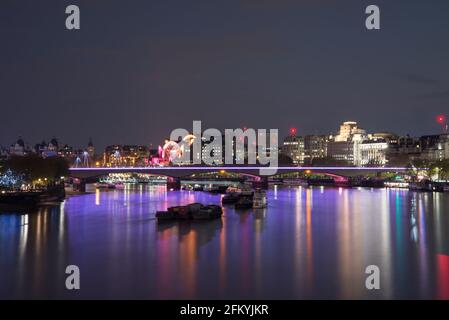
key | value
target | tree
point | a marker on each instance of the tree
(10, 180)
(441, 168)
(33, 167)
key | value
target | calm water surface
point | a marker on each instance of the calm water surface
(309, 243)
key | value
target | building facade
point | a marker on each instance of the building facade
(341, 152)
(125, 156)
(18, 149)
(315, 147)
(345, 146)
(293, 147)
(434, 147)
(373, 153)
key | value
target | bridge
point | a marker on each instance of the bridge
(174, 174)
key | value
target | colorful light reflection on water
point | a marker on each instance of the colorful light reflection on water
(308, 243)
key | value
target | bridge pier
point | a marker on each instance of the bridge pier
(81, 186)
(173, 184)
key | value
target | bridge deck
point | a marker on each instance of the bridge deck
(253, 171)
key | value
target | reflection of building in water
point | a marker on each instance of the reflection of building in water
(413, 221)
(191, 236)
(441, 224)
(205, 230)
(441, 229)
(443, 276)
(259, 219)
(309, 238)
(40, 246)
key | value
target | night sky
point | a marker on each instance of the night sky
(138, 69)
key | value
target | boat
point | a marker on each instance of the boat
(230, 198)
(32, 198)
(233, 195)
(193, 211)
(217, 189)
(119, 186)
(69, 188)
(259, 199)
(208, 212)
(247, 192)
(103, 185)
(244, 190)
(198, 187)
(165, 215)
(194, 207)
(396, 184)
(420, 186)
(244, 203)
(180, 212)
(232, 189)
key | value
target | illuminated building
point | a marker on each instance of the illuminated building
(373, 152)
(346, 145)
(349, 131)
(293, 147)
(112, 156)
(125, 156)
(135, 155)
(47, 150)
(18, 149)
(387, 136)
(434, 147)
(66, 152)
(210, 151)
(91, 149)
(403, 149)
(341, 151)
(269, 147)
(315, 147)
(3, 153)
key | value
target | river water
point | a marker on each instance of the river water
(312, 243)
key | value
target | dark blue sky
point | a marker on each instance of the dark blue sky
(137, 69)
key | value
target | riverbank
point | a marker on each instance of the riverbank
(31, 198)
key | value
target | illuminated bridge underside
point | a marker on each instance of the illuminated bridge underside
(338, 173)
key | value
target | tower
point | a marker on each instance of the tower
(90, 149)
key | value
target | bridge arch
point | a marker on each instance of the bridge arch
(339, 174)
(337, 178)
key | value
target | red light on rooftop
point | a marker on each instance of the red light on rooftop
(293, 131)
(441, 119)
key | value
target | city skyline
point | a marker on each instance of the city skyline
(234, 151)
(132, 72)
(293, 130)
(352, 145)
